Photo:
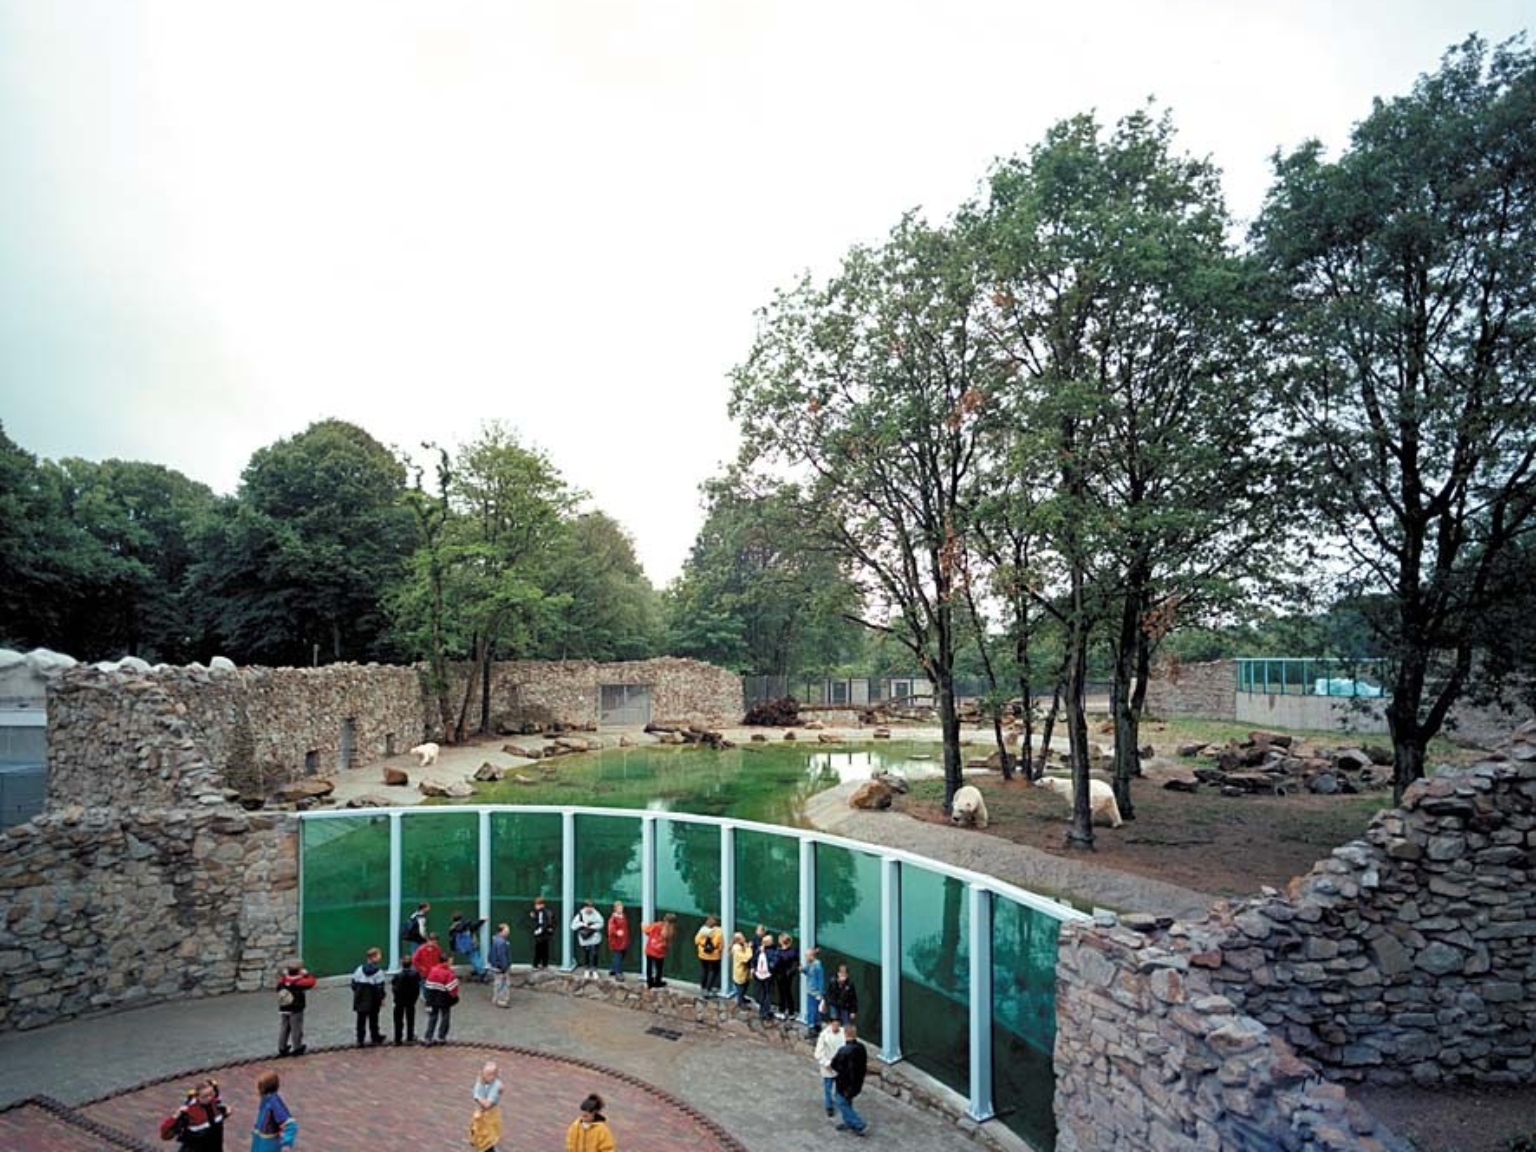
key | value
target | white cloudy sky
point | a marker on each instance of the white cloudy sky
(220, 222)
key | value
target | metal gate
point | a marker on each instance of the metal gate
(626, 704)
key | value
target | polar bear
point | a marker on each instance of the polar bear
(426, 753)
(1101, 798)
(968, 809)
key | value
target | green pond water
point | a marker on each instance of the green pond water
(766, 782)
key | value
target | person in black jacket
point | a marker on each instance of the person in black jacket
(368, 996)
(406, 985)
(842, 997)
(848, 1067)
(541, 921)
(198, 1125)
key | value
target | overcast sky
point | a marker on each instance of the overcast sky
(220, 222)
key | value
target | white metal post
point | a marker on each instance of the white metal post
(647, 869)
(890, 960)
(727, 888)
(484, 912)
(981, 1003)
(396, 895)
(807, 916)
(567, 885)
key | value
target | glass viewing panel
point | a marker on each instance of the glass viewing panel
(688, 884)
(1024, 1019)
(441, 865)
(525, 862)
(848, 926)
(345, 866)
(608, 869)
(936, 975)
(767, 882)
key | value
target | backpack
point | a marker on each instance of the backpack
(411, 931)
(285, 997)
(171, 1126)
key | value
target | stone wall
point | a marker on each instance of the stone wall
(569, 692)
(1407, 955)
(1151, 1058)
(1207, 691)
(104, 908)
(123, 737)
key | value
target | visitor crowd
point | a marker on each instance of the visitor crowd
(765, 969)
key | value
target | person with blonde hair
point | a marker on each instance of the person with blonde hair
(741, 967)
(485, 1124)
(589, 1131)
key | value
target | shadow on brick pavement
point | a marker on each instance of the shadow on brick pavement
(764, 1097)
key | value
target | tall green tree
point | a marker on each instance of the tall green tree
(144, 519)
(607, 609)
(876, 389)
(1123, 303)
(508, 502)
(298, 565)
(46, 558)
(1406, 319)
(760, 592)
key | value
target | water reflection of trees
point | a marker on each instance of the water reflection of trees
(695, 851)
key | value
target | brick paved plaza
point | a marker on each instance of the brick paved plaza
(104, 1084)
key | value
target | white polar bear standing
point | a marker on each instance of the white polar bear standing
(968, 809)
(426, 753)
(1101, 798)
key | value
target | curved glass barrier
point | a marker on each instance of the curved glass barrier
(955, 971)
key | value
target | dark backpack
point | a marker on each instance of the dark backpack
(410, 931)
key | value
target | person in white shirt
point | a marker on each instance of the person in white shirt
(827, 1044)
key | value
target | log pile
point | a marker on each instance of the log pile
(673, 733)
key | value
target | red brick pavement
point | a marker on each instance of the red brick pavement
(419, 1098)
(35, 1127)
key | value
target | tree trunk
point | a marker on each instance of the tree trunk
(472, 681)
(1080, 834)
(949, 728)
(485, 691)
(1050, 718)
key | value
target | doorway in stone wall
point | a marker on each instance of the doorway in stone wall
(625, 704)
(348, 744)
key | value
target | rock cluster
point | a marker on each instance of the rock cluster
(1274, 763)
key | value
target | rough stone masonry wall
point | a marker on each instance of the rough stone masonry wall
(1409, 954)
(1207, 690)
(1149, 1058)
(104, 908)
(569, 691)
(129, 737)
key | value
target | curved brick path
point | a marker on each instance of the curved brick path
(126, 1070)
(367, 1098)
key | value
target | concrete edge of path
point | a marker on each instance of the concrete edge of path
(1080, 881)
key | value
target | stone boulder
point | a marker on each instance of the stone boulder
(828, 738)
(488, 773)
(300, 791)
(396, 777)
(871, 795)
(432, 788)
(522, 751)
(373, 800)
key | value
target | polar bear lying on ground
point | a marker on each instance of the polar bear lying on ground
(968, 809)
(426, 753)
(1101, 798)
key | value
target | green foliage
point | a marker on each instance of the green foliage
(298, 564)
(607, 608)
(92, 556)
(759, 592)
(1403, 277)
